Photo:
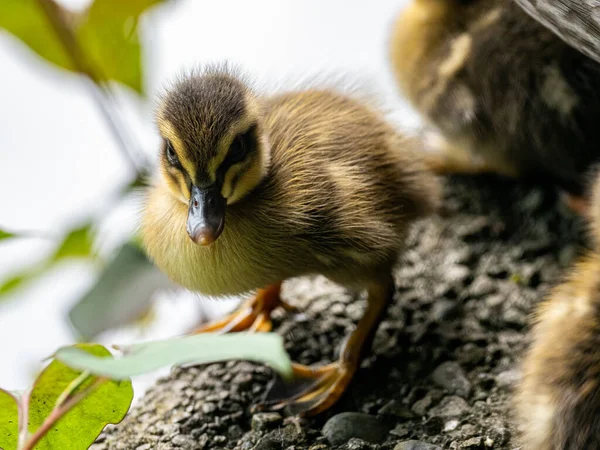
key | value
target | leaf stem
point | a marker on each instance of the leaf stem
(101, 92)
(73, 385)
(23, 424)
(59, 411)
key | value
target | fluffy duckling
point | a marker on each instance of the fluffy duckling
(558, 399)
(503, 93)
(257, 189)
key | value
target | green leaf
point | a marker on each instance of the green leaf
(77, 244)
(122, 294)
(79, 427)
(197, 349)
(9, 421)
(6, 235)
(107, 33)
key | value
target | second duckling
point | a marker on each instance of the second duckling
(257, 189)
(503, 93)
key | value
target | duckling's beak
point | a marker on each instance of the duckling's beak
(206, 214)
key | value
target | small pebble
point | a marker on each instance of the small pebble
(451, 425)
(471, 444)
(356, 444)
(416, 445)
(400, 431)
(266, 421)
(268, 444)
(451, 377)
(508, 378)
(342, 427)
(420, 407)
(451, 406)
(396, 409)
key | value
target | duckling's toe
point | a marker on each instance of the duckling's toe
(312, 391)
(576, 204)
(253, 315)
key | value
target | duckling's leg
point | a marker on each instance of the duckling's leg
(253, 315)
(444, 157)
(316, 389)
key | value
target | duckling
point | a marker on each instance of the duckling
(558, 399)
(256, 189)
(501, 93)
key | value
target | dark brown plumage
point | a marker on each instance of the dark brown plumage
(505, 94)
(308, 182)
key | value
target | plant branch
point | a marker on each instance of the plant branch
(23, 418)
(58, 412)
(99, 88)
(73, 385)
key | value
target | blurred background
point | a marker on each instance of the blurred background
(65, 182)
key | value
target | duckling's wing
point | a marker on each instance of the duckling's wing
(577, 22)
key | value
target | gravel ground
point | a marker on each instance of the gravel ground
(445, 359)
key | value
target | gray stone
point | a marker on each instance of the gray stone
(268, 444)
(471, 444)
(508, 378)
(266, 421)
(451, 406)
(396, 409)
(345, 426)
(416, 445)
(451, 377)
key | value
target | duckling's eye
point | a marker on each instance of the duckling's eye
(238, 150)
(171, 155)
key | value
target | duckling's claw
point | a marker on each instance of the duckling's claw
(313, 390)
(253, 315)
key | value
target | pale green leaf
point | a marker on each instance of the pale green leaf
(121, 295)
(77, 244)
(205, 348)
(78, 428)
(9, 421)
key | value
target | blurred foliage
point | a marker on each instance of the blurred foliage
(204, 348)
(6, 235)
(77, 244)
(121, 295)
(66, 408)
(107, 32)
(101, 42)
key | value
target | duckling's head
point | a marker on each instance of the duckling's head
(214, 151)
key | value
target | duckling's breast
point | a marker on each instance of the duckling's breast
(237, 262)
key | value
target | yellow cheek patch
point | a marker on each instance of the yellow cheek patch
(239, 127)
(232, 174)
(168, 131)
(175, 181)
